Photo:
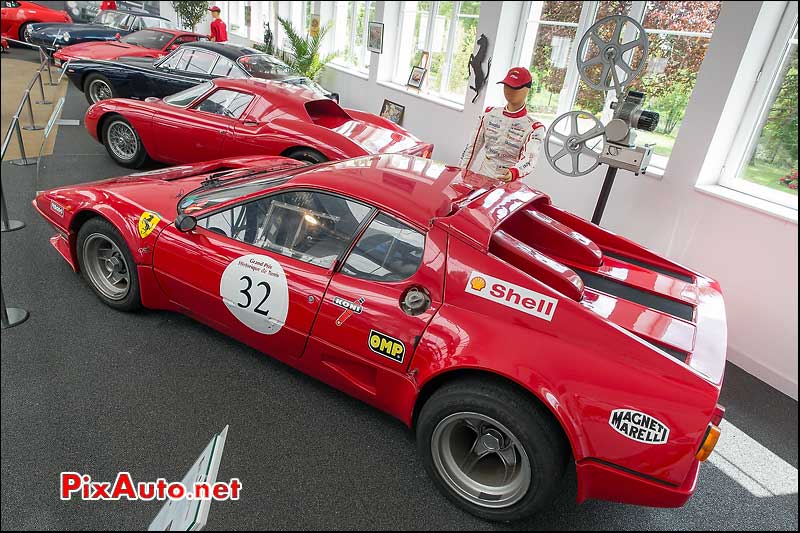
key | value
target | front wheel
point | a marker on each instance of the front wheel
(97, 88)
(491, 449)
(25, 33)
(107, 265)
(122, 143)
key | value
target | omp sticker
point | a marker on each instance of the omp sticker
(387, 346)
(56, 208)
(349, 307)
(147, 223)
(511, 295)
(638, 426)
(253, 288)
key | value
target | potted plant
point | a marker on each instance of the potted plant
(305, 51)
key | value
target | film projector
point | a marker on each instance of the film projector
(611, 55)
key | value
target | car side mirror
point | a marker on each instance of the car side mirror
(185, 223)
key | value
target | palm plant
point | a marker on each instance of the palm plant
(305, 51)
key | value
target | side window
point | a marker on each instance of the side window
(172, 61)
(199, 62)
(223, 67)
(308, 226)
(388, 251)
(137, 25)
(227, 103)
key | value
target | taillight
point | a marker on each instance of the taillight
(710, 440)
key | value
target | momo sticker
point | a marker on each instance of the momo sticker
(350, 308)
(56, 208)
(147, 223)
(514, 296)
(253, 288)
(638, 426)
(387, 346)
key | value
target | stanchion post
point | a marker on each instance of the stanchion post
(6, 224)
(33, 125)
(44, 99)
(11, 316)
(24, 160)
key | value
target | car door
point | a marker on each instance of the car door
(258, 270)
(380, 301)
(199, 132)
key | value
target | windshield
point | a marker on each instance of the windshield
(114, 19)
(153, 22)
(152, 39)
(264, 66)
(187, 96)
(204, 197)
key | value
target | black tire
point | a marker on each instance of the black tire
(21, 32)
(93, 228)
(138, 156)
(529, 423)
(307, 155)
(96, 83)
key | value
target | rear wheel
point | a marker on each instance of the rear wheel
(491, 449)
(307, 155)
(123, 143)
(107, 265)
(96, 88)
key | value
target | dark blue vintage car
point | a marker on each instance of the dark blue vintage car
(189, 65)
(105, 27)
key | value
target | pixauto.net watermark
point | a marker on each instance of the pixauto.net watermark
(73, 484)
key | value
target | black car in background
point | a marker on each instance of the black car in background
(106, 26)
(192, 63)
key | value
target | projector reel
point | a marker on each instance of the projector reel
(611, 65)
(577, 136)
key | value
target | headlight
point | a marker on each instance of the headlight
(65, 36)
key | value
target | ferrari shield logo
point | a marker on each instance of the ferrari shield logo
(147, 223)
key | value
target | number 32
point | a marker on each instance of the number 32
(246, 292)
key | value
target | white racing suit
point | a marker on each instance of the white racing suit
(511, 142)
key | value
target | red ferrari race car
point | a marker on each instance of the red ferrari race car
(239, 117)
(512, 336)
(152, 42)
(15, 16)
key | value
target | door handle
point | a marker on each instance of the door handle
(223, 132)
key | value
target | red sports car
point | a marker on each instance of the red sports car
(15, 16)
(152, 42)
(239, 117)
(517, 340)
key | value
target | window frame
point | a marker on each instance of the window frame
(197, 102)
(363, 54)
(401, 78)
(569, 91)
(767, 85)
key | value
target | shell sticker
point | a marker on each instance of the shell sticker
(147, 223)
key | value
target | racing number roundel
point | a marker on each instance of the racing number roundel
(254, 290)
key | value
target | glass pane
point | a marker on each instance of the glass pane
(774, 160)
(226, 103)
(438, 51)
(551, 57)
(200, 62)
(691, 16)
(463, 46)
(188, 96)
(388, 251)
(417, 44)
(561, 11)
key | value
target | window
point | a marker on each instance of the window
(225, 67)
(763, 160)
(447, 31)
(197, 61)
(264, 66)
(153, 22)
(186, 97)
(678, 31)
(350, 27)
(388, 251)
(227, 103)
(155, 40)
(309, 226)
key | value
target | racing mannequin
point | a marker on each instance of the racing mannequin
(510, 137)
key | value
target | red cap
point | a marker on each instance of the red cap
(214, 8)
(517, 78)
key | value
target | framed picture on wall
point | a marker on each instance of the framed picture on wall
(375, 37)
(417, 77)
(393, 111)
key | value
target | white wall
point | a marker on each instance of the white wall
(752, 254)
